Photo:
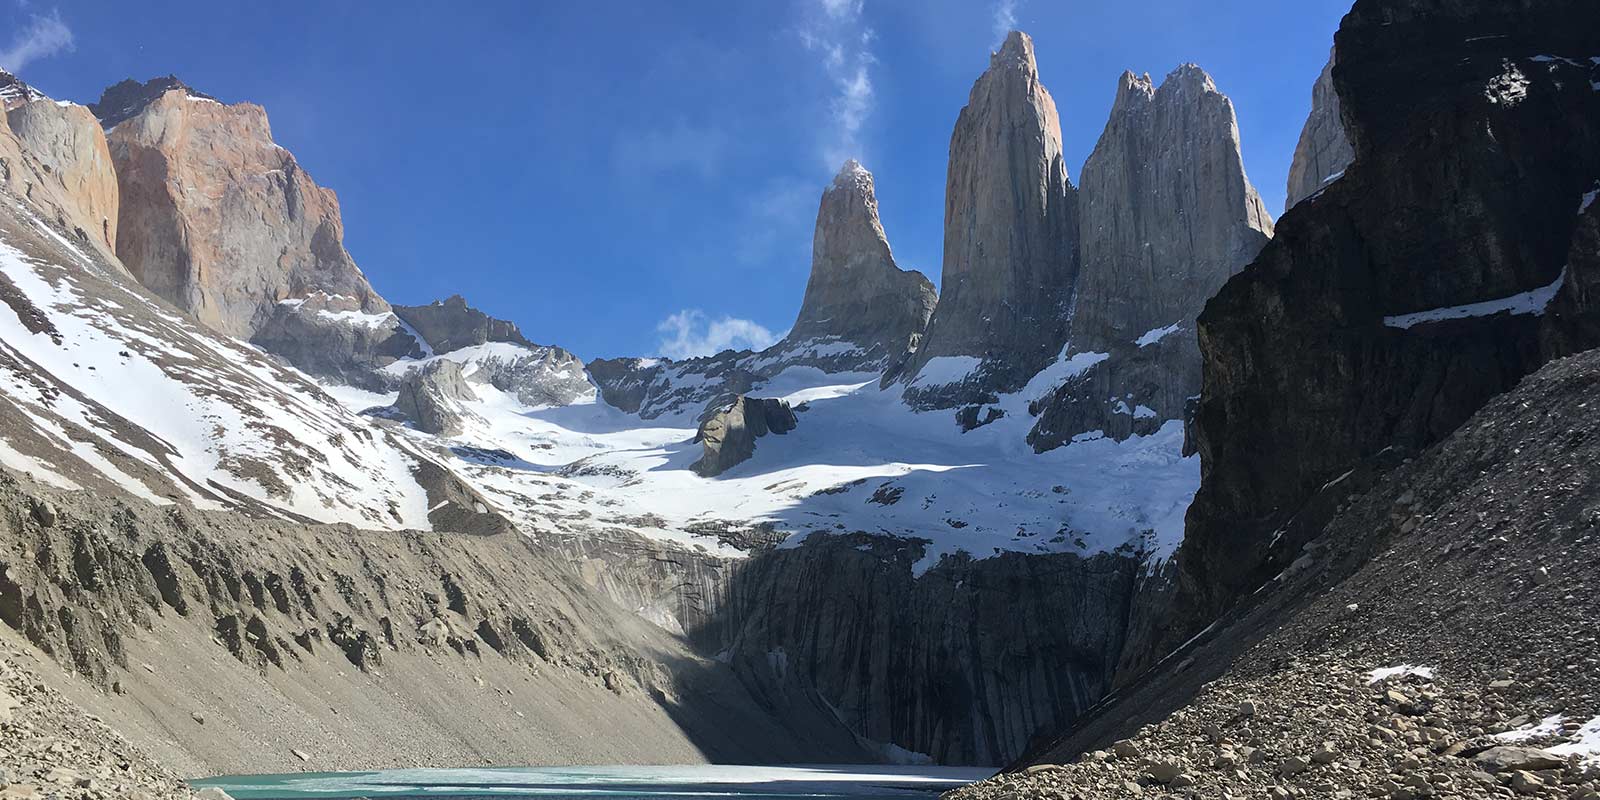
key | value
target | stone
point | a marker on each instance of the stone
(255, 229)
(8, 705)
(300, 754)
(212, 793)
(1324, 150)
(1511, 758)
(1248, 709)
(729, 437)
(1010, 231)
(197, 717)
(1326, 753)
(1125, 748)
(1293, 765)
(1163, 770)
(431, 396)
(856, 293)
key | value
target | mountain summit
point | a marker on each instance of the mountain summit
(856, 292)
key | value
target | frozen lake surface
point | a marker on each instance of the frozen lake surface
(677, 782)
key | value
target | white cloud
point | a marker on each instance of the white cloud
(691, 333)
(43, 36)
(1005, 20)
(834, 29)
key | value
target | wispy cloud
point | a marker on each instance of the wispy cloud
(1005, 20)
(680, 146)
(834, 30)
(691, 333)
(43, 36)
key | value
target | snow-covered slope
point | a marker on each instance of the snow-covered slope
(103, 386)
(861, 460)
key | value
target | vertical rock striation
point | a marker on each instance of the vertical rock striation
(856, 292)
(214, 216)
(1010, 253)
(1324, 150)
(1167, 215)
(1460, 250)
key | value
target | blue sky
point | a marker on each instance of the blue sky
(631, 178)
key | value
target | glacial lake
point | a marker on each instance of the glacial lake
(608, 783)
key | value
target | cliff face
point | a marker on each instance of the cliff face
(1166, 216)
(215, 217)
(1324, 150)
(67, 140)
(964, 664)
(856, 293)
(1010, 230)
(54, 155)
(1458, 253)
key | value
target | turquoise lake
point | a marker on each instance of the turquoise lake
(676, 782)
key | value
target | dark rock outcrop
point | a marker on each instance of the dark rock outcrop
(1010, 231)
(1166, 216)
(431, 397)
(451, 324)
(125, 100)
(1323, 151)
(729, 437)
(856, 294)
(1460, 250)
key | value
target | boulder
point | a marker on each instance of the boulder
(431, 397)
(729, 437)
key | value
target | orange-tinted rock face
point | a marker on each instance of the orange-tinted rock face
(218, 219)
(66, 138)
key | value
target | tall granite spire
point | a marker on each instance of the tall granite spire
(856, 293)
(1010, 253)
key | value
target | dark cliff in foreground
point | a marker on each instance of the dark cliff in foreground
(1455, 255)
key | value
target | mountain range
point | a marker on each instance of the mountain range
(260, 519)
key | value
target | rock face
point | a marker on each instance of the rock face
(67, 140)
(729, 437)
(329, 336)
(215, 217)
(431, 397)
(1459, 252)
(961, 664)
(1166, 216)
(1010, 230)
(451, 324)
(856, 293)
(1324, 150)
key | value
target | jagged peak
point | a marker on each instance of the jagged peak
(1189, 76)
(853, 176)
(1017, 51)
(127, 98)
(14, 92)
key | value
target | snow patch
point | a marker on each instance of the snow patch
(1549, 726)
(944, 370)
(1385, 673)
(1150, 337)
(1530, 302)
